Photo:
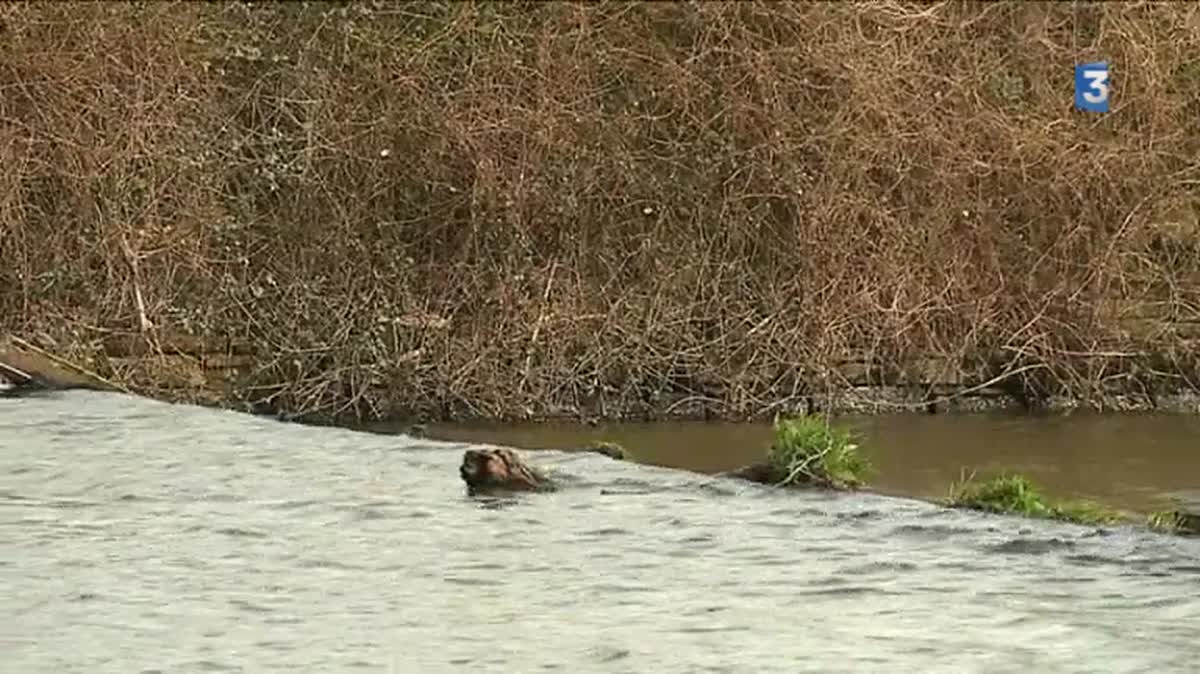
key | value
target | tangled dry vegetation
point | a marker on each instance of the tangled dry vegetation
(515, 208)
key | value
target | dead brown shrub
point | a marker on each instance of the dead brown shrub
(510, 208)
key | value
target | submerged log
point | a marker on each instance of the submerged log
(503, 469)
(1189, 522)
(499, 469)
(762, 473)
(609, 449)
(27, 368)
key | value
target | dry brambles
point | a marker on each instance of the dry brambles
(501, 209)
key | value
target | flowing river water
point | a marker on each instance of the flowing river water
(144, 537)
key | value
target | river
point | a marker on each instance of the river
(145, 537)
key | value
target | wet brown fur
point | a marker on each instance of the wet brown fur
(500, 469)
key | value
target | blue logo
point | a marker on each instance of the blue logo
(1091, 87)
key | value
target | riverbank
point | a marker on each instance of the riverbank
(191, 370)
(716, 210)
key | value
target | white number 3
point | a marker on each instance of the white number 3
(1097, 90)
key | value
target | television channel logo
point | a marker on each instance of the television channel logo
(1092, 88)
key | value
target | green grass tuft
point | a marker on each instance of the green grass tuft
(808, 450)
(1017, 495)
(1164, 521)
(610, 449)
(1174, 522)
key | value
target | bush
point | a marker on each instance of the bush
(808, 450)
(1017, 495)
(454, 208)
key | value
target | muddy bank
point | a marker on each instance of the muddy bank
(180, 368)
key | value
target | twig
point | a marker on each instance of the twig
(537, 327)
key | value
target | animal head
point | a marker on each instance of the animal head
(497, 468)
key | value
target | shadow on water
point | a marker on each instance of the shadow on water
(1140, 462)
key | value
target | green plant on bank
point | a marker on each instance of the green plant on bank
(1174, 522)
(1017, 495)
(808, 450)
(610, 449)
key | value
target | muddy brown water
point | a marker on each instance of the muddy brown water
(1142, 462)
(137, 536)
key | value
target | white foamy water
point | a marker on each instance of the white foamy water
(144, 537)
